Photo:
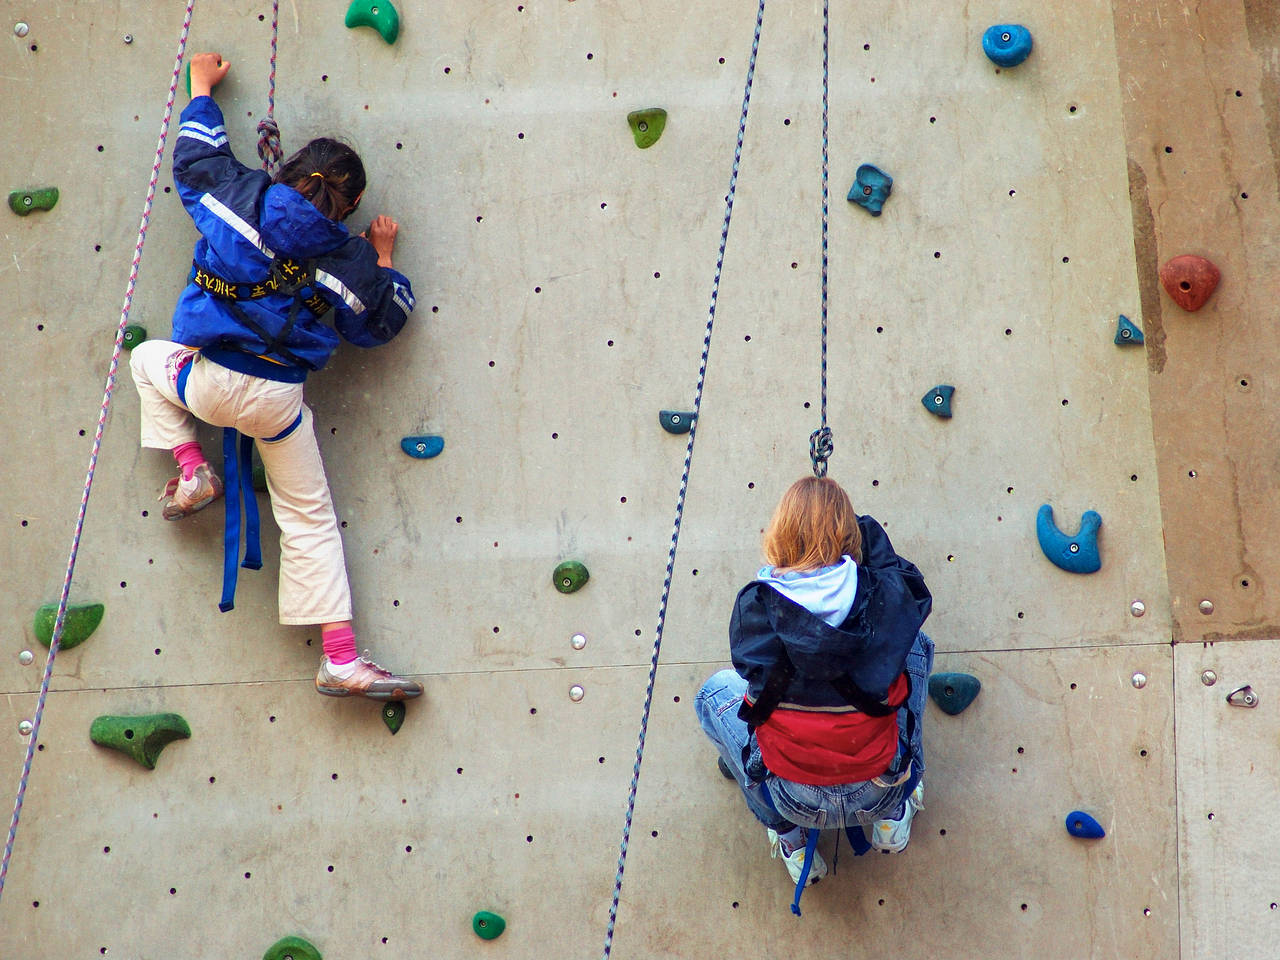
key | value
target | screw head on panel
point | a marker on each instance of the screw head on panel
(26, 657)
(24, 728)
(1137, 608)
(576, 693)
(1208, 678)
(1139, 680)
(20, 29)
(1206, 607)
(578, 641)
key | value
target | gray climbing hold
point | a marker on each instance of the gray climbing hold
(1127, 333)
(938, 400)
(675, 421)
(953, 692)
(422, 448)
(1077, 553)
(1080, 824)
(871, 188)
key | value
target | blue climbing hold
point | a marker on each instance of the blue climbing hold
(422, 448)
(871, 188)
(1080, 824)
(675, 421)
(1075, 554)
(953, 692)
(938, 400)
(1007, 44)
(1127, 333)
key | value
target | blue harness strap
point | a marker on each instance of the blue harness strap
(238, 473)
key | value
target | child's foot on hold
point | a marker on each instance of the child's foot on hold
(363, 678)
(791, 848)
(891, 835)
(185, 497)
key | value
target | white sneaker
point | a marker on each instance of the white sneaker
(893, 835)
(795, 861)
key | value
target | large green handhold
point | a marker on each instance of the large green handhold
(141, 737)
(23, 202)
(647, 125)
(487, 925)
(569, 576)
(291, 948)
(379, 14)
(81, 620)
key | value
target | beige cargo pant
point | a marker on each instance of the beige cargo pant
(313, 571)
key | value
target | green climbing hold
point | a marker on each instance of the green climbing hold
(676, 421)
(141, 737)
(81, 620)
(487, 925)
(134, 335)
(393, 715)
(23, 202)
(953, 692)
(647, 125)
(379, 14)
(291, 948)
(570, 576)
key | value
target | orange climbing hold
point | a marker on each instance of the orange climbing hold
(1190, 280)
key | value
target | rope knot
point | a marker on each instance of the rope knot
(269, 149)
(821, 446)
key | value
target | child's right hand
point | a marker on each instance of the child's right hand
(207, 71)
(382, 234)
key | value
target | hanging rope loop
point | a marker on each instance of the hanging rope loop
(269, 149)
(821, 446)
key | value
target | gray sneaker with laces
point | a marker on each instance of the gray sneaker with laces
(367, 679)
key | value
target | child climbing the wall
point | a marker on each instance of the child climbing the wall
(819, 721)
(273, 258)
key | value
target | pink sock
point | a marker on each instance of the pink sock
(189, 456)
(339, 645)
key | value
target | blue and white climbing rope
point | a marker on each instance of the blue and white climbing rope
(684, 486)
(59, 622)
(821, 444)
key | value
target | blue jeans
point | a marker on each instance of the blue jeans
(781, 804)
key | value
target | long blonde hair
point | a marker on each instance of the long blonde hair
(813, 526)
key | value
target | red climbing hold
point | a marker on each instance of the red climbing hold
(1190, 280)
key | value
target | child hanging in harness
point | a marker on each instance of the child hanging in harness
(273, 258)
(819, 721)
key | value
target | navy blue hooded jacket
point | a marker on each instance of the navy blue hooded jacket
(245, 222)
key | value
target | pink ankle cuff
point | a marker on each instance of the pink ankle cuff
(189, 456)
(339, 645)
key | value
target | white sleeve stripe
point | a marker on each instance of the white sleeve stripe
(328, 280)
(235, 222)
(192, 135)
(196, 125)
(402, 303)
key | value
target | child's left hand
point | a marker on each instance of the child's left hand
(207, 71)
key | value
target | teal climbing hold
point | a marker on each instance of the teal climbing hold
(569, 576)
(938, 400)
(141, 737)
(953, 692)
(871, 188)
(1077, 553)
(1007, 44)
(78, 625)
(488, 925)
(647, 125)
(393, 715)
(291, 948)
(134, 334)
(378, 14)
(23, 202)
(1080, 824)
(676, 421)
(1127, 333)
(422, 448)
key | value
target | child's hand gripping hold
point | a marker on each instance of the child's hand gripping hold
(207, 71)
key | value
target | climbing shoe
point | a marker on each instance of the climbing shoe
(364, 678)
(795, 860)
(184, 497)
(892, 834)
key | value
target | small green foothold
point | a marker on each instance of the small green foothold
(676, 421)
(81, 620)
(23, 202)
(379, 14)
(291, 948)
(647, 125)
(134, 334)
(140, 737)
(953, 692)
(393, 715)
(570, 576)
(487, 925)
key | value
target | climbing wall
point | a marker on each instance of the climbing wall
(563, 277)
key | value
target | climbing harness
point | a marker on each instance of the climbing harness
(60, 621)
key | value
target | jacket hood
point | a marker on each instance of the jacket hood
(292, 226)
(827, 593)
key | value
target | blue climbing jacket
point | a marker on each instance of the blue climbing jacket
(246, 222)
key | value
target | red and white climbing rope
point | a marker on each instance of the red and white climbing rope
(59, 622)
(269, 148)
